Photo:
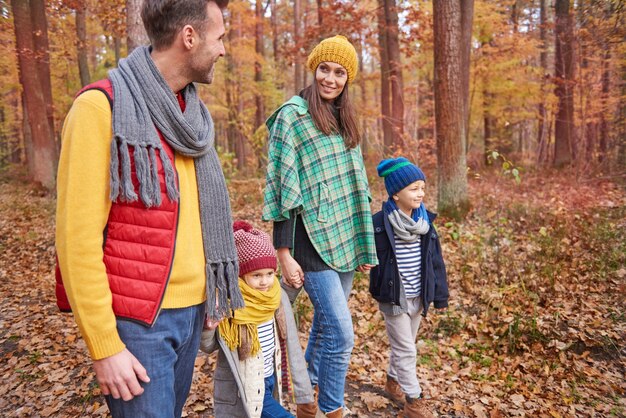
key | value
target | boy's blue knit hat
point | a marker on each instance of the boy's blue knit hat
(399, 173)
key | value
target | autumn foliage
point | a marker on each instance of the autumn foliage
(536, 323)
(536, 259)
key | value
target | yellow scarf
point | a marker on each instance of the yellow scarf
(259, 308)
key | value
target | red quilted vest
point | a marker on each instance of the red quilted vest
(138, 246)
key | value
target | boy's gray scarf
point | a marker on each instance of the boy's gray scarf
(406, 228)
(143, 100)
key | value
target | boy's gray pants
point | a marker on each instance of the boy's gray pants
(402, 332)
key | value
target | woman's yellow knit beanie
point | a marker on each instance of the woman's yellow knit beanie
(338, 50)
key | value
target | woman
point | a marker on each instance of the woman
(318, 197)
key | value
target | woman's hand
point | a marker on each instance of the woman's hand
(365, 268)
(291, 270)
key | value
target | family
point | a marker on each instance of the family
(154, 269)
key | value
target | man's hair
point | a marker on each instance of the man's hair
(163, 19)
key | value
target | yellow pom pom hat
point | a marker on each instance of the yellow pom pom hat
(338, 50)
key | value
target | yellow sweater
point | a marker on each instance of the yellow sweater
(82, 211)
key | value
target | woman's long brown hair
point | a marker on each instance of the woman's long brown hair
(324, 118)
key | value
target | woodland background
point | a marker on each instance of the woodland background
(514, 109)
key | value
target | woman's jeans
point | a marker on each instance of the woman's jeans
(332, 337)
(168, 351)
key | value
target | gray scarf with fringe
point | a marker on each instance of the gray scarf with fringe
(143, 100)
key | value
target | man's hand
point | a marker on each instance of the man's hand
(117, 375)
(211, 324)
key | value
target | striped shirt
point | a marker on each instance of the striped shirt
(409, 256)
(268, 346)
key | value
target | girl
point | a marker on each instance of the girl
(247, 380)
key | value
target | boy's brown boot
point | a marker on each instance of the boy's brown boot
(306, 410)
(417, 408)
(393, 390)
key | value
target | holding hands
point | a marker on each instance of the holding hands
(291, 270)
(365, 268)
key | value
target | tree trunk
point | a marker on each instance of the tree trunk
(467, 17)
(81, 45)
(42, 164)
(385, 104)
(241, 149)
(258, 65)
(606, 86)
(364, 143)
(297, 80)
(29, 149)
(451, 18)
(274, 23)
(621, 128)
(515, 15)
(42, 56)
(564, 130)
(305, 22)
(233, 95)
(320, 14)
(135, 31)
(488, 123)
(395, 75)
(117, 49)
(543, 60)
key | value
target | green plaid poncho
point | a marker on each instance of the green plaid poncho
(315, 175)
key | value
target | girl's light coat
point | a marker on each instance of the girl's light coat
(239, 386)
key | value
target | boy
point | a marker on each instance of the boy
(410, 275)
(247, 377)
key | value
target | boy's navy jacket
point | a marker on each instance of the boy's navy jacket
(385, 278)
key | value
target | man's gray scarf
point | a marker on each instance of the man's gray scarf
(143, 100)
(405, 227)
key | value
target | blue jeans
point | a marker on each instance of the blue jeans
(271, 407)
(332, 337)
(168, 351)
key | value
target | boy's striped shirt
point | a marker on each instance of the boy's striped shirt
(409, 256)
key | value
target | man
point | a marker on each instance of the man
(144, 228)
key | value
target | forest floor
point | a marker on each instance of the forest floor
(536, 324)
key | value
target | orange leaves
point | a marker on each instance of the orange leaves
(543, 336)
(373, 401)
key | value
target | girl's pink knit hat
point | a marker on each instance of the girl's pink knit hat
(254, 248)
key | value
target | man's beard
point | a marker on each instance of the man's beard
(211, 74)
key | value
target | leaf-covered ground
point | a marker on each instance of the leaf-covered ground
(536, 324)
